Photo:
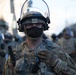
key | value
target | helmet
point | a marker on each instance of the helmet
(4, 24)
(31, 13)
(34, 17)
(68, 32)
(8, 37)
(54, 36)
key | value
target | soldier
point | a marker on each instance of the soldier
(8, 40)
(54, 38)
(38, 56)
(3, 26)
(68, 42)
(3, 29)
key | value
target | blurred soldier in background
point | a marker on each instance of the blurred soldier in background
(60, 35)
(54, 38)
(2, 57)
(3, 26)
(68, 42)
(8, 39)
(3, 29)
(36, 55)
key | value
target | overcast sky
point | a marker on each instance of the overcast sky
(62, 13)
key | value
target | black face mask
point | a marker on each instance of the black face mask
(34, 32)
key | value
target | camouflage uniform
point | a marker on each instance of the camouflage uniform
(3, 28)
(11, 43)
(2, 60)
(25, 56)
(69, 45)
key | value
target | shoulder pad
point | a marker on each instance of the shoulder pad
(48, 43)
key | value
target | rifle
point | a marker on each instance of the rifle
(10, 52)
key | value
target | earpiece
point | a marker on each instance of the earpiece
(20, 28)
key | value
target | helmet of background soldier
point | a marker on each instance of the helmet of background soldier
(68, 32)
(54, 36)
(32, 12)
(8, 37)
(3, 24)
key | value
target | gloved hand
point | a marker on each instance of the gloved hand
(47, 57)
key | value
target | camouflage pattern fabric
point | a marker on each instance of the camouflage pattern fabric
(2, 61)
(69, 45)
(25, 56)
(2, 55)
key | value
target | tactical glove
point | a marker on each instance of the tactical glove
(47, 57)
